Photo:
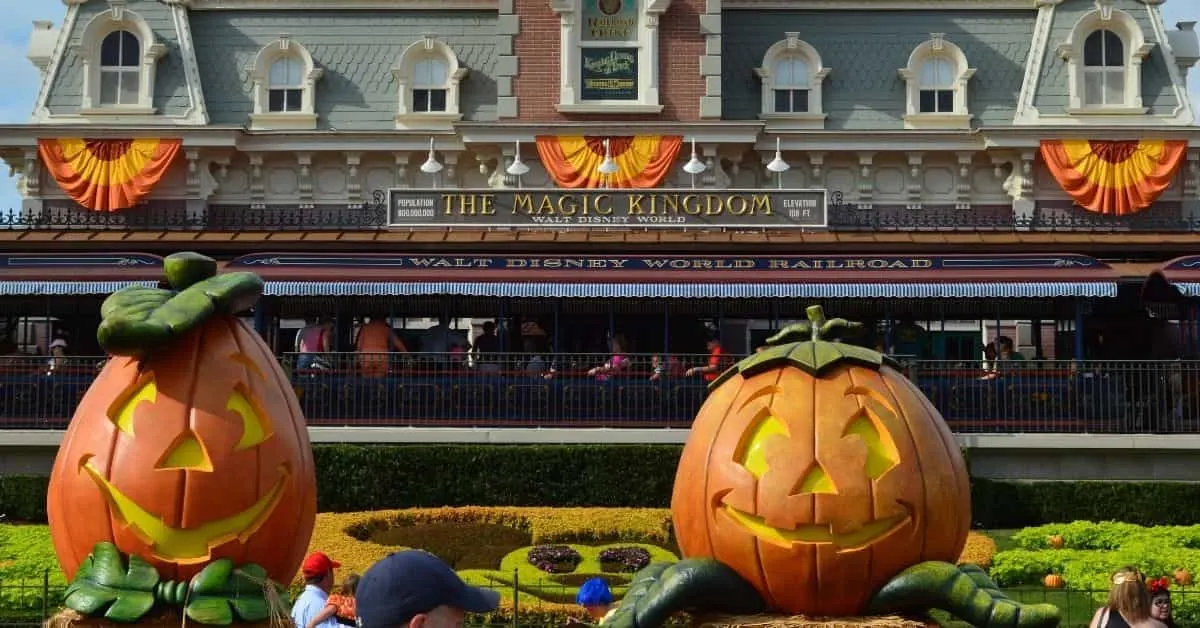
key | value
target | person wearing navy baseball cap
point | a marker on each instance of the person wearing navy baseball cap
(415, 589)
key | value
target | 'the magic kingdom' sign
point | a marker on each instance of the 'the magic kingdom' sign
(560, 209)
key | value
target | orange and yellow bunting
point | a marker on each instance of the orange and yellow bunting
(108, 175)
(573, 161)
(1114, 177)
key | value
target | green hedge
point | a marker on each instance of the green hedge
(369, 477)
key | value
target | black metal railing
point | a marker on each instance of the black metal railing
(568, 390)
(28, 602)
(372, 215)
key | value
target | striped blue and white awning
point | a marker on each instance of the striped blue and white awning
(65, 288)
(997, 290)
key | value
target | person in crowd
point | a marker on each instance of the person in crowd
(437, 340)
(340, 605)
(1128, 603)
(615, 364)
(318, 571)
(596, 598)
(58, 351)
(1160, 601)
(375, 340)
(415, 589)
(1005, 350)
(486, 349)
(313, 340)
(713, 368)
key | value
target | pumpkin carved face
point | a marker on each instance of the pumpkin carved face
(197, 452)
(818, 472)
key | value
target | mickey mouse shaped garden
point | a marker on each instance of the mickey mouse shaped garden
(819, 482)
(185, 480)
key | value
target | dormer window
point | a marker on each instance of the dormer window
(285, 85)
(286, 90)
(429, 82)
(430, 78)
(120, 69)
(936, 80)
(1103, 69)
(792, 74)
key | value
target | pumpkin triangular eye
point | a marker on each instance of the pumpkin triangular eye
(882, 454)
(121, 411)
(752, 450)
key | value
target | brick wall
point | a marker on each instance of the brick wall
(680, 46)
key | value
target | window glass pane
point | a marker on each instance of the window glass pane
(437, 100)
(928, 101)
(420, 100)
(129, 49)
(285, 72)
(936, 72)
(128, 92)
(293, 99)
(791, 72)
(1114, 50)
(800, 101)
(275, 99)
(1093, 88)
(109, 83)
(110, 50)
(1114, 87)
(1093, 49)
(945, 101)
(783, 101)
(430, 72)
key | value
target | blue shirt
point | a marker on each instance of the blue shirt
(311, 602)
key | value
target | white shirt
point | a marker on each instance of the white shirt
(311, 602)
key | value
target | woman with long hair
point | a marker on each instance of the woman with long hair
(1128, 603)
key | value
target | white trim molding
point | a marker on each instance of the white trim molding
(570, 99)
(260, 73)
(116, 19)
(813, 116)
(935, 48)
(1134, 49)
(404, 70)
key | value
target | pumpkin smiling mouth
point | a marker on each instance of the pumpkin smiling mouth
(814, 533)
(187, 545)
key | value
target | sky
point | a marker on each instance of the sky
(20, 78)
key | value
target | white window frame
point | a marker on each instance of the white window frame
(404, 71)
(118, 18)
(793, 46)
(570, 88)
(1136, 49)
(937, 47)
(262, 118)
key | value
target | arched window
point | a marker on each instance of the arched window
(286, 85)
(430, 85)
(792, 81)
(792, 74)
(120, 69)
(1103, 69)
(937, 85)
(937, 77)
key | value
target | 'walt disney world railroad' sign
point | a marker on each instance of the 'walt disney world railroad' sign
(561, 209)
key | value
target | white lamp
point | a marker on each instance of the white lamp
(778, 165)
(608, 166)
(517, 168)
(431, 165)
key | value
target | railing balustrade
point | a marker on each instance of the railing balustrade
(567, 390)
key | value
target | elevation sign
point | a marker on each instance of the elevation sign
(556, 208)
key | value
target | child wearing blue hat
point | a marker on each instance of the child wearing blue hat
(595, 597)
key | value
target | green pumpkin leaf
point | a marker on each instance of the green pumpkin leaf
(105, 583)
(137, 323)
(220, 593)
(211, 611)
(186, 269)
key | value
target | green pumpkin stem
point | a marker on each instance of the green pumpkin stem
(816, 314)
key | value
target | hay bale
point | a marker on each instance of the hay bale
(800, 621)
(68, 618)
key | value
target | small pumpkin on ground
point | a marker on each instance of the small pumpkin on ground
(1183, 577)
(189, 452)
(822, 479)
(1056, 542)
(1053, 581)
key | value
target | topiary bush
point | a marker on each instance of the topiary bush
(554, 558)
(624, 559)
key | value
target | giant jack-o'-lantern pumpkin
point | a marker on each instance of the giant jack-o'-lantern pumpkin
(190, 446)
(817, 471)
